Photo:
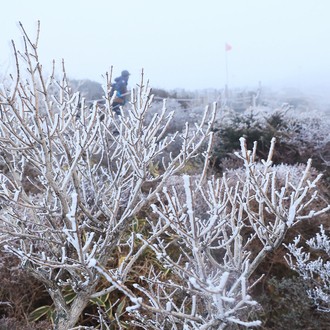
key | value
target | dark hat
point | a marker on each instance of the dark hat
(125, 73)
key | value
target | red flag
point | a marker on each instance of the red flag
(228, 47)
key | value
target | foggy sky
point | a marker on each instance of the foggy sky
(178, 43)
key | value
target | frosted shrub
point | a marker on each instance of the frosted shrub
(213, 254)
(311, 125)
(310, 128)
(75, 178)
(255, 124)
(314, 270)
(299, 128)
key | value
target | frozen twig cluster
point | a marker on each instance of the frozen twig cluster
(314, 270)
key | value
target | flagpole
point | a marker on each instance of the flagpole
(227, 49)
(226, 59)
(226, 86)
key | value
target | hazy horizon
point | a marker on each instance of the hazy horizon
(179, 44)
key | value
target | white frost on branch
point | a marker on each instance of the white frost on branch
(315, 271)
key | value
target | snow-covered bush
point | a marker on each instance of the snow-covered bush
(255, 124)
(304, 128)
(300, 135)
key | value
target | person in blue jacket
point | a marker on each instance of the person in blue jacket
(120, 87)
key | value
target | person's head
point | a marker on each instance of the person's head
(125, 74)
